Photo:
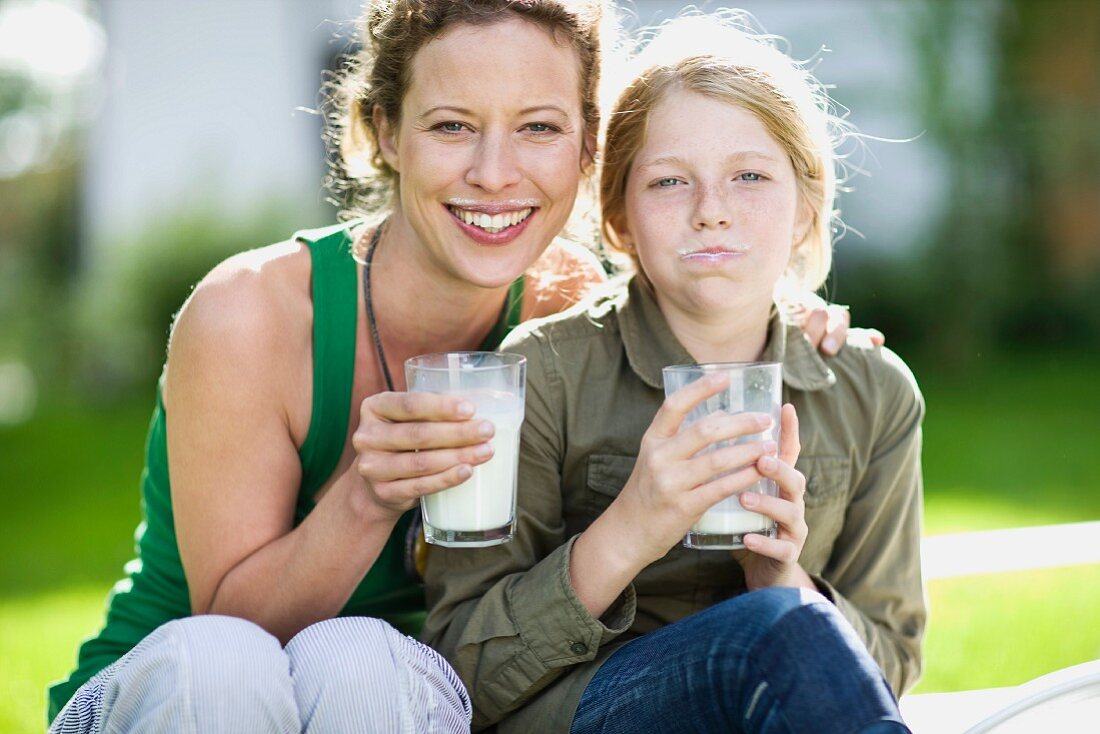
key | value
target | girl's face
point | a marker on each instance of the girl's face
(489, 149)
(711, 207)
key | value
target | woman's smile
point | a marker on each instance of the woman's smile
(493, 223)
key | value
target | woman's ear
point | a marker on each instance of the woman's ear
(588, 154)
(387, 138)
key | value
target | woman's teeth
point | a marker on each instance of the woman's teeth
(491, 223)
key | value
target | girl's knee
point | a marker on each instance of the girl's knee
(765, 607)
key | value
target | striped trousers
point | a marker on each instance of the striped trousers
(223, 674)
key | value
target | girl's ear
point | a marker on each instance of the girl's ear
(804, 219)
(387, 139)
(623, 235)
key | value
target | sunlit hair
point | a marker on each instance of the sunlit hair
(719, 55)
(391, 32)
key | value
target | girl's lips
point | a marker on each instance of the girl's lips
(480, 236)
(712, 257)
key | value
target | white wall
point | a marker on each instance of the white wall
(199, 111)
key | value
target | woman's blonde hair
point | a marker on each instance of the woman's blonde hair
(719, 55)
(391, 33)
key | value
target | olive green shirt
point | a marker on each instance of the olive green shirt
(507, 617)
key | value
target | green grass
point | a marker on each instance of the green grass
(38, 638)
(1004, 629)
(1014, 447)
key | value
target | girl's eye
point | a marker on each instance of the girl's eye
(665, 183)
(751, 176)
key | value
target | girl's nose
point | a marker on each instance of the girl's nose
(711, 208)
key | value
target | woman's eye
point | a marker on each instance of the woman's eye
(665, 183)
(750, 176)
(541, 127)
(450, 127)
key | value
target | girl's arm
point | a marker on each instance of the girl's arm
(515, 617)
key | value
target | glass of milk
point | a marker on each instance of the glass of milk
(482, 510)
(755, 387)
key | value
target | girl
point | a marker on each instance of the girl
(719, 184)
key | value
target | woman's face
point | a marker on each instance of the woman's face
(712, 206)
(489, 149)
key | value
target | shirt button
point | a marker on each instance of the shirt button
(578, 648)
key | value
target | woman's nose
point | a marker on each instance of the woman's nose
(495, 166)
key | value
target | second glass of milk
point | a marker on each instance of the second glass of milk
(481, 511)
(754, 387)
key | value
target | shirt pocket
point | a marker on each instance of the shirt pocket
(607, 475)
(827, 483)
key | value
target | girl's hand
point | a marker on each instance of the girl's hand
(672, 484)
(413, 444)
(774, 561)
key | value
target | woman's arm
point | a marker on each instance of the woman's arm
(234, 464)
(874, 573)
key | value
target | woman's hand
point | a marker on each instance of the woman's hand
(673, 484)
(774, 561)
(826, 325)
(413, 444)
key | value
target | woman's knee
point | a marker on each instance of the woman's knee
(363, 668)
(358, 648)
(227, 650)
(203, 668)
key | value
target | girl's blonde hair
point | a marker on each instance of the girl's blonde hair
(719, 55)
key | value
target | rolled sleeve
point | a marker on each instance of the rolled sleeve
(553, 623)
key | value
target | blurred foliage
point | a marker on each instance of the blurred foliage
(130, 295)
(38, 262)
(1013, 258)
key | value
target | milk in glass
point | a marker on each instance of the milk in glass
(487, 499)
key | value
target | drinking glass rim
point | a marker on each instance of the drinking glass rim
(704, 366)
(510, 359)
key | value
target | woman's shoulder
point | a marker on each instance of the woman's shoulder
(563, 276)
(253, 307)
(568, 340)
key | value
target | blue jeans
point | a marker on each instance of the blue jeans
(774, 661)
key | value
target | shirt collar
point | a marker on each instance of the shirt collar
(650, 344)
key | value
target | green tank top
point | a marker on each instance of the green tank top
(155, 589)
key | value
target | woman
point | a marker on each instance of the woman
(719, 183)
(271, 557)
